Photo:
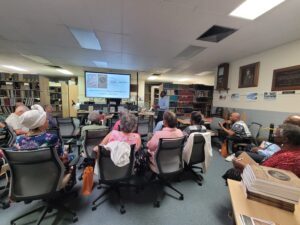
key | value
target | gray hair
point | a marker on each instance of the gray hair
(93, 116)
(291, 134)
(128, 123)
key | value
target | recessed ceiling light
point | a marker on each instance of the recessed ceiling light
(67, 72)
(14, 68)
(100, 63)
(86, 39)
(152, 78)
(251, 9)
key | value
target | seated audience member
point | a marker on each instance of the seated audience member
(93, 117)
(196, 124)
(51, 121)
(237, 133)
(13, 120)
(36, 120)
(288, 158)
(169, 131)
(117, 124)
(128, 125)
(159, 126)
(262, 152)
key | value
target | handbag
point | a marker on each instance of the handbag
(88, 180)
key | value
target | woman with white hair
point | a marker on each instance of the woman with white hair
(94, 118)
(36, 121)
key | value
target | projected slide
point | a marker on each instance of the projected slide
(107, 85)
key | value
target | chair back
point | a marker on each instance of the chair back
(92, 138)
(35, 174)
(143, 125)
(109, 172)
(198, 153)
(7, 137)
(254, 129)
(214, 125)
(66, 127)
(169, 155)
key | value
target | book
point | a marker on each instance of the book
(269, 199)
(245, 159)
(248, 220)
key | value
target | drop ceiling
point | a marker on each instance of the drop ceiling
(138, 35)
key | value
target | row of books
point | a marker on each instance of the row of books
(5, 101)
(276, 187)
(19, 77)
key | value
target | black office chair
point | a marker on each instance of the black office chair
(37, 174)
(91, 139)
(169, 163)
(7, 139)
(143, 126)
(68, 129)
(113, 176)
(197, 156)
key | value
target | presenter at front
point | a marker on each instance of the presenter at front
(163, 105)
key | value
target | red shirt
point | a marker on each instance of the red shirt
(286, 160)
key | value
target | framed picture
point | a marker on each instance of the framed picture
(249, 75)
(222, 76)
(286, 79)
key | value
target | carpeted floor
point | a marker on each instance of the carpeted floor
(208, 204)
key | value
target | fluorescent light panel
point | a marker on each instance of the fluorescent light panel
(86, 39)
(204, 73)
(14, 68)
(63, 71)
(152, 78)
(100, 63)
(251, 9)
(183, 79)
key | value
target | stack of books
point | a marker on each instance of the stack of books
(276, 187)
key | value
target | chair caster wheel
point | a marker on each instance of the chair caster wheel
(122, 211)
(99, 187)
(75, 219)
(181, 197)
(156, 204)
(79, 178)
(200, 184)
(94, 208)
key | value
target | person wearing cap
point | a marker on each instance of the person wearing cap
(37, 136)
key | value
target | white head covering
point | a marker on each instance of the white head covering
(34, 118)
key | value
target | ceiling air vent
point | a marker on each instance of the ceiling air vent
(190, 52)
(216, 33)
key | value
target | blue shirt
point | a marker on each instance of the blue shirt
(163, 103)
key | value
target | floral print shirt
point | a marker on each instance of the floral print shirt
(41, 140)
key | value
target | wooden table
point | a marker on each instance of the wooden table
(242, 205)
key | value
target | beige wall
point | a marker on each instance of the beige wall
(280, 57)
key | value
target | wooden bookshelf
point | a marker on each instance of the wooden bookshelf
(187, 98)
(26, 88)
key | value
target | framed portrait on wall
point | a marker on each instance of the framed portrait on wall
(286, 79)
(249, 75)
(222, 76)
